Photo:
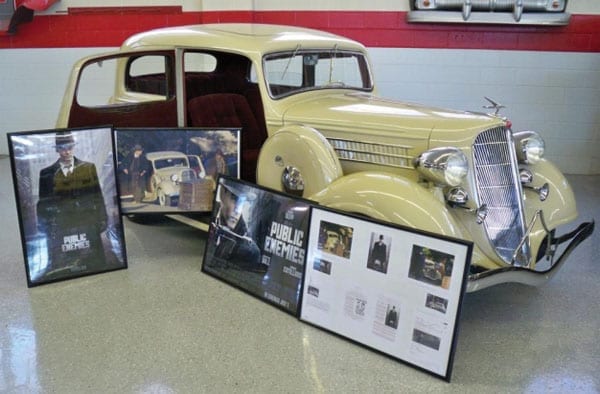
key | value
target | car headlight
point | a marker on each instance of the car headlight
(530, 146)
(174, 178)
(448, 166)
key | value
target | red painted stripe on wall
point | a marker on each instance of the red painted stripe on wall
(110, 27)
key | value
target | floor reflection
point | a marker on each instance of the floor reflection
(18, 360)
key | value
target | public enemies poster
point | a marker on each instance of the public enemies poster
(257, 242)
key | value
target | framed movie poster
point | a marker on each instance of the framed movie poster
(257, 242)
(395, 290)
(66, 197)
(173, 170)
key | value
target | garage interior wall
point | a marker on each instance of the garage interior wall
(547, 77)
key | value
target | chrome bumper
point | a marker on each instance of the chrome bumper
(527, 276)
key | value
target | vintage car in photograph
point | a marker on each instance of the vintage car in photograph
(433, 271)
(169, 170)
(313, 125)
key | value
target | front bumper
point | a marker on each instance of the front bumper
(528, 276)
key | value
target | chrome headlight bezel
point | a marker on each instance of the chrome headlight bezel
(530, 146)
(444, 166)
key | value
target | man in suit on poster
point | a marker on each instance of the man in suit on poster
(71, 211)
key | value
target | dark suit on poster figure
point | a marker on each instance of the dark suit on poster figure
(71, 211)
(233, 243)
(135, 167)
(391, 319)
(379, 255)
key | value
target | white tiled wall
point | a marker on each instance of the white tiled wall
(557, 94)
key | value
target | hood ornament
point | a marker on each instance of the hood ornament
(493, 105)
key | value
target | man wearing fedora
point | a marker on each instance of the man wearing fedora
(71, 211)
(136, 167)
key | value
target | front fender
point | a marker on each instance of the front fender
(303, 148)
(168, 188)
(391, 198)
(560, 206)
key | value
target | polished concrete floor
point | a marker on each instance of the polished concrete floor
(162, 326)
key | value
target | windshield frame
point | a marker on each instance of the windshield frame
(363, 71)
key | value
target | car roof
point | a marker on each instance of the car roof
(239, 37)
(165, 155)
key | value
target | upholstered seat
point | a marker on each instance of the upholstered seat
(231, 111)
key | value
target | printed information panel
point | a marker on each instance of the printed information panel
(397, 291)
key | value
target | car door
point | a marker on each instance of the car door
(134, 89)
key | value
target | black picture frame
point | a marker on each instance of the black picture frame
(69, 218)
(365, 280)
(260, 248)
(177, 168)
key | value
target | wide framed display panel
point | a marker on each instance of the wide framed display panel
(173, 170)
(257, 242)
(66, 194)
(392, 289)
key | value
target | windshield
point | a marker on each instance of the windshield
(300, 70)
(170, 162)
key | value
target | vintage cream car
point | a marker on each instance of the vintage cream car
(313, 125)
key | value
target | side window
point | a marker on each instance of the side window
(199, 62)
(96, 83)
(148, 74)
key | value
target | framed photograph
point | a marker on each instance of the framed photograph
(393, 289)
(173, 170)
(66, 193)
(257, 242)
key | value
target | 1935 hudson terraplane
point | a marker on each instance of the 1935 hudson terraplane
(313, 125)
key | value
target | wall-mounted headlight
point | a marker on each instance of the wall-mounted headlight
(447, 166)
(530, 146)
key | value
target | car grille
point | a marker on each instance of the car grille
(366, 152)
(498, 187)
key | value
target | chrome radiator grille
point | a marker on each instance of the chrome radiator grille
(367, 152)
(498, 187)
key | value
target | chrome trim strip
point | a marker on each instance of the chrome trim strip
(389, 155)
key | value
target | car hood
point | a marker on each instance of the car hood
(362, 113)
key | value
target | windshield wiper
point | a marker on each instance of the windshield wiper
(335, 47)
(290, 61)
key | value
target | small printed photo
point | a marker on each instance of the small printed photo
(335, 239)
(313, 291)
(174, 169)
(425, 339)
(434, 302)
(323, 266)
(431, 266)
(379, 252)
(391, 316)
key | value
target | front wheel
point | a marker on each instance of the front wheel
(163, 199)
